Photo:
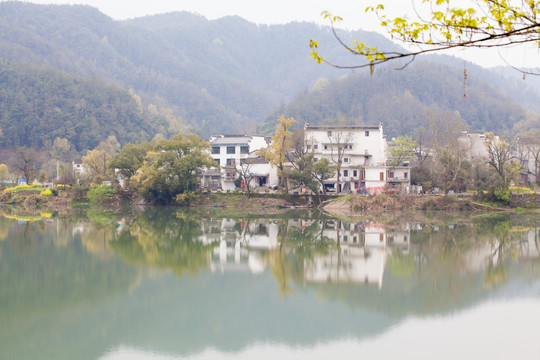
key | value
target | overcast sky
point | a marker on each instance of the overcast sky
(284, 11)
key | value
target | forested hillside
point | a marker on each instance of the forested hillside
(38, 105)
(177, 71)
(219, 76)
(402, 100)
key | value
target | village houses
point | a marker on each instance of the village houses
(361, 151)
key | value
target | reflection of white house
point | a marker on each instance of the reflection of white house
(361, 151)
(357, 264)
(361, 256)
(241, 245)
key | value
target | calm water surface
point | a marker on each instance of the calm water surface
(174, 284)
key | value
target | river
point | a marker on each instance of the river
(182, 284)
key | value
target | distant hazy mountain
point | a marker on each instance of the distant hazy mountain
(400, 100)
(219, 76)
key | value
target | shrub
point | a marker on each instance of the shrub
(100, 194)
(79, 192)
(47, 193)
(186, 198)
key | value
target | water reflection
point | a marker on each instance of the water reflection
(168, 281)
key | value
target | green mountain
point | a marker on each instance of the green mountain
(39, 104)
(401, 100)
(178, 70)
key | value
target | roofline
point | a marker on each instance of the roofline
(332, 127)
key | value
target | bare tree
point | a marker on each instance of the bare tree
(25, 161)
(244, 171)
(339, 139)
(499, 154)
(450, 154)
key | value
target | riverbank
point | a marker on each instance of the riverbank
(261, 203)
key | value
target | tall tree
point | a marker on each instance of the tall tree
(130, 159)
(499, 153)
(172, 167)
(401, 149)
(96, 162)
(276, 152)
(450, 154)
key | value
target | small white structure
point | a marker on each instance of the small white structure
(78, 168)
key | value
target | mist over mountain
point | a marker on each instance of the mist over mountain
(403, 100)
(226, 75)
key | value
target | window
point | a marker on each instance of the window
(308, 147)
(315, 147)
(315, 159)
(325, 147)
(405, 174)
(345, 172)
(244, 149)
(231, 162)
(231, 150)
(355, 173)
(215, 149)
(329, 133)
(345, 160)
(367, 133)
(391, 174)
(217, 160)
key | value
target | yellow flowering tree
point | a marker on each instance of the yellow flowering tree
(480, 24)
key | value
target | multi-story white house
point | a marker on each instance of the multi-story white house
(237, 153)
(228, 150)
(361, 151)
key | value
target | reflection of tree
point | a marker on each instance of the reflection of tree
(298, 247)
(165, 239)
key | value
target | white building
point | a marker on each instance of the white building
(361, 151)
(228, 150)
(475, 144)
(238, 154)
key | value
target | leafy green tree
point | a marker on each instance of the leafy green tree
(482, 24)
(276, 153)
(172, 167)
(322, 171)
(96, 162)
(312, 173)
(130, 159)
(302, 173)
(401, 149)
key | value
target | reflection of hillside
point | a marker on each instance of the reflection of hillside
(40, 280)
(164, 239)
(82, 306)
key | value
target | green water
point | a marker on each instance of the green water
(172, 284)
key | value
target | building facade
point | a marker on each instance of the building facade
(360, 151)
